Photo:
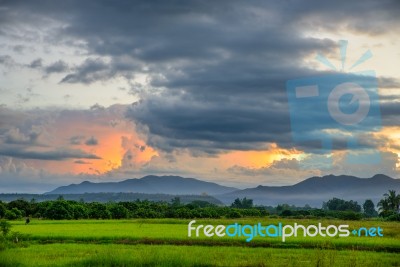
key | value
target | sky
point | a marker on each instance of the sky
(111, 90)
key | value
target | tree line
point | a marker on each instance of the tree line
(61, 209)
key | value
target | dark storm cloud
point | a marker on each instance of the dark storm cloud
(244, 123)
(61, 154)
(220, 67)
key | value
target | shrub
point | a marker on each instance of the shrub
(118, 211)
(393, 217)
(59, 210)
(233, 213)
(11, 215)
(5, 227)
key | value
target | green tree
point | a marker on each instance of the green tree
(80, 211)
(337, 204)
(20, 204)
(389, 205)
(59, 210)
(5, 227)
(98, 211)
(369, 208)
(118, 211)
(2, 210)
(242, 203)
(13, 214)
(9, 215)
(176, 202)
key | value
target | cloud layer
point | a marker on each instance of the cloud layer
(208, 81)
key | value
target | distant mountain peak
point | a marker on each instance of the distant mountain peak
(315, 190)
(381, 177)
(150, 184)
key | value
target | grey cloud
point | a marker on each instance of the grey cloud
(97, 107)
(7, 61)
(92, 141)
(56, 67)
(388, 82)
(390, 113)
(36, 64)
(219, 68)
(81, 162)
(76, 140)
(60, 154)
(92, 70)
(19, 48)
(14, 136)
(244, 123)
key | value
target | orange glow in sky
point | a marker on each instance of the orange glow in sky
(259, 159)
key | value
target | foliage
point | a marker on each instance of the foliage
(13, 214)
(390, 204)
(59, 210)
(2, 209)
(118, 211)
(369, 208)
(5, 227)
(343, 205)
(22, 205)
(98, 211)
(242, 203)
(68, 209)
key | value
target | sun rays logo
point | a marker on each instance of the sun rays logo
(337, 112)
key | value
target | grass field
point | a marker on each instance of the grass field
(164, 242)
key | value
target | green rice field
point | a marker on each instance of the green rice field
(165, 242)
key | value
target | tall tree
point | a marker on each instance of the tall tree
(389, 204)
(369, 208)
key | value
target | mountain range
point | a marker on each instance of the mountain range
(174, 185)
(312, 191)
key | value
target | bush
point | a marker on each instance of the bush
(80, 212)
(99, 211)
(233, 213)
(2, 210)
(5, 227)
(59, 210)
(349, 215)
(118, 212)
(393, 217)
(13, 214)
(286, 213)
(22, 205)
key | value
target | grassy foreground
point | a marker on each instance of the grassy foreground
(167, 255)
(164, 242)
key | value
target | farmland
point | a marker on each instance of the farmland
(165, 242)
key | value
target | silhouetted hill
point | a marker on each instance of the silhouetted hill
(151, 184)
(315, 190)
(312, 191)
